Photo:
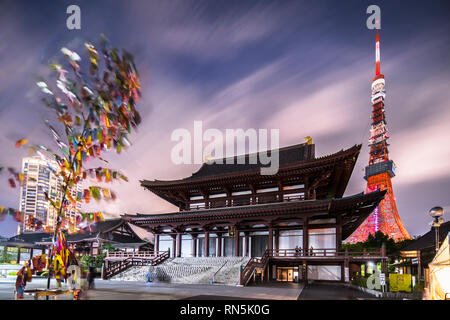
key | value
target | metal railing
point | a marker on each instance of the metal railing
(121, 255)
(304, 252)
(214, 275)
(325, 252)
(254, 263)
(133, 260)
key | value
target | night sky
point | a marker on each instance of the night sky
(304, 67)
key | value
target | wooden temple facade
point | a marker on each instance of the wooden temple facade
(291, 224)
(114, 232)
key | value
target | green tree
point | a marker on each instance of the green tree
(87, 261)
(108, 247)
(6, 257)
(375, 241)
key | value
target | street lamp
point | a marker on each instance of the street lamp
(437, 213)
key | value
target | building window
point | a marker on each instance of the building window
(267, 190)
(199, 205)
(165, 243)
(331, 273)
(294, 196)
(217, 195)
(322, 239)
(290, 239)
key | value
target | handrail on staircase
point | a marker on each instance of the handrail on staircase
(124, 264)
(252, 264)
(214, 275)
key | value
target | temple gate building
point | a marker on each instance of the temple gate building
(290, 225)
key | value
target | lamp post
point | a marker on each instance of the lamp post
(436, 213)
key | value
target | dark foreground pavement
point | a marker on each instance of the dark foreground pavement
(134, 290)
(332, 291)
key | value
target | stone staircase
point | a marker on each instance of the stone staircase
(190, 270)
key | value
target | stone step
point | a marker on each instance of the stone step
(225, 270)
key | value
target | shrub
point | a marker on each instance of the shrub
(418, 290)
(360, 282)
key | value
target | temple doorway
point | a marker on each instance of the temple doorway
(287, 274)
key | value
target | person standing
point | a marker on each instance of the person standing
(148, 277)
(91, 276)
(21, 282)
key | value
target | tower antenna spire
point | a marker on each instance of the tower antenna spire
(377, 53)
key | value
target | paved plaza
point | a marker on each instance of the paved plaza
(331, 291)
(131, 290)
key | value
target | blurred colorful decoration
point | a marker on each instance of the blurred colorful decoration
(21, 142)
(34, 223)
(62, 257)
(96, 111)
(17, 215)
(16, 178)
(39, 263)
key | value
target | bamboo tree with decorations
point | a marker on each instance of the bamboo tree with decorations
(97, 110)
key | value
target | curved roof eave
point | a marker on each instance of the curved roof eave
(299, 165)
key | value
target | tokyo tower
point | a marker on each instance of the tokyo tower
(380, 170)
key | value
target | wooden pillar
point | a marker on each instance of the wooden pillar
(277, 239)
(174, 245)
(383, 261)
(345, 266)
(338, 233)
(305, 237)
(206, 244)
(219, 245)
(18, 254)
(306, 182)
(236, 243)
(419, 267)
(223, 247)
(194, 245)
(245, 254)
(178, 244)
(270, 240)
(156, 244)
(305, 271)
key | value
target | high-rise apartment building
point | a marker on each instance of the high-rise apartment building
(40, 176)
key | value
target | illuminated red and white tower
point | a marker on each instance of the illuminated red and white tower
(380, 170)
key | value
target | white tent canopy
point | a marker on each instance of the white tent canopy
(439, 282)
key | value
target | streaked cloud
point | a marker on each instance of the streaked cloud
(256, 65)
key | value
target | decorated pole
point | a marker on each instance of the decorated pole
(97, 110)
